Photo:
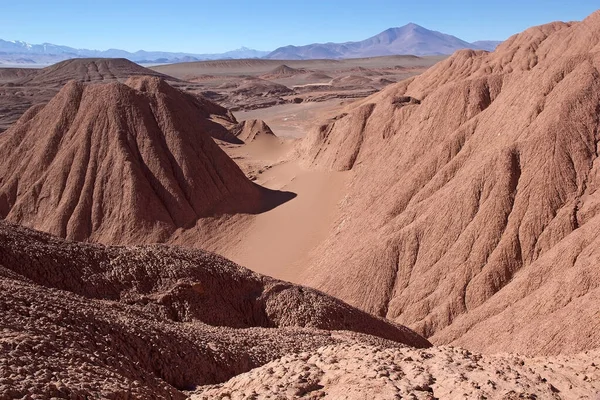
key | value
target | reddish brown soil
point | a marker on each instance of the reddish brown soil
(87, 320)
(20, 88)
(462, 203)
(358, 371)
(257, 84)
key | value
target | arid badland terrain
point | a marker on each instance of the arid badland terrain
(437, 217)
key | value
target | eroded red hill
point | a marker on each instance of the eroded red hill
(473, 213)
(90, 320)
(121, 163)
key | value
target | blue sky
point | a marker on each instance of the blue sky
(216, 26)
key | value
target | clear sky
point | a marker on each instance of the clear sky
(199, 26)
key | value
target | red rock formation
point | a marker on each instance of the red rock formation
(473, 213)
(251, 130)
(121, 163)
(85, 319)
(359, 371)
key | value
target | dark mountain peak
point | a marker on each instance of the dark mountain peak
(410, 39)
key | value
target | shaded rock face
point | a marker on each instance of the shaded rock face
(251, 130)
(83, 319)
(121, 163)
(481, 196)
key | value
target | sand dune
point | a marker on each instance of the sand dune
(278, 242)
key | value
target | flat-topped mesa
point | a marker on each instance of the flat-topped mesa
(473, 213)
(88, 70)
(121, 163)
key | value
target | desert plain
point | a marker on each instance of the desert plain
(384, 227)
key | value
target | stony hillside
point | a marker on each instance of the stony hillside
(87, 320)
(358, 371)
(252, 129)
(479, 179)
(122, 163)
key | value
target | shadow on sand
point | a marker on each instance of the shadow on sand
(273, 198)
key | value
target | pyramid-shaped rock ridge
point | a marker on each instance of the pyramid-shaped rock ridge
(120, 163)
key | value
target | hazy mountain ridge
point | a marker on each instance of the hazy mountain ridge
(408, 39)
(22, 52)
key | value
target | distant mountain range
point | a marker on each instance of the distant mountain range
(24, 53)
(408, 39)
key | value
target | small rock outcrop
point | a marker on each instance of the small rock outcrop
(252, 129)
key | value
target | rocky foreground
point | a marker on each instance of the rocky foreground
(362, 371)
(83, 320)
